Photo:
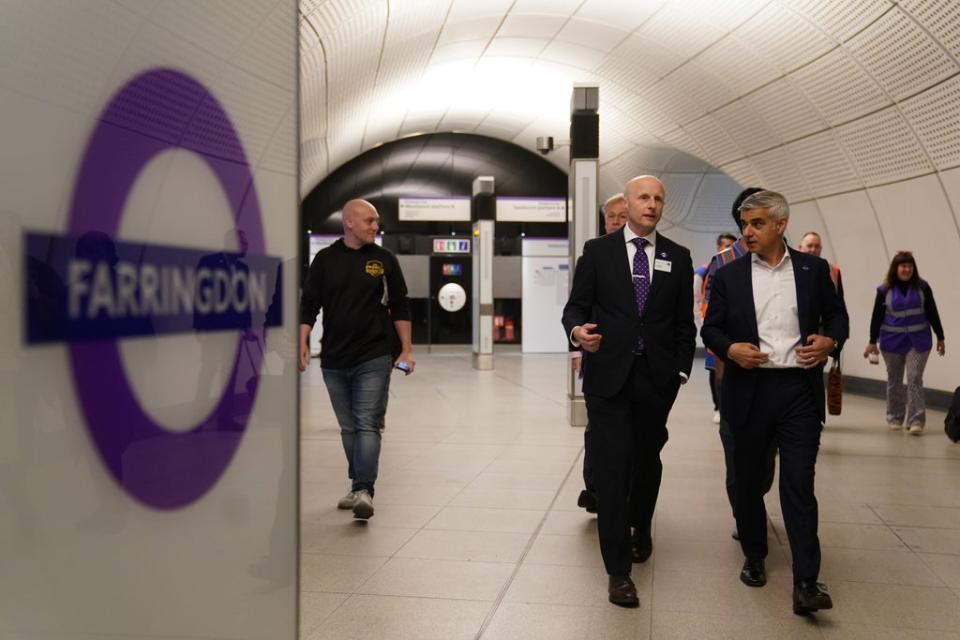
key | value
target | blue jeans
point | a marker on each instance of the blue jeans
(359, 398)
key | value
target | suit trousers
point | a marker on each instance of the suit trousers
(783, 415)
(628, 432)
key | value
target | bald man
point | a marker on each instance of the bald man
(366, 333)
(631, 309)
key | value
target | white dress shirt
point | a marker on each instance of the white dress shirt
(778, 320)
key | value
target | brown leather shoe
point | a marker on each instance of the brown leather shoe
(622, 592)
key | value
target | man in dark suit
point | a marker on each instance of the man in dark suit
(764, 319)
(631, 309)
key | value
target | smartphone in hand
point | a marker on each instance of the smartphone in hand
(404, 366)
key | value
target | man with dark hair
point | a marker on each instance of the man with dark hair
(363, 295)
(764, 320)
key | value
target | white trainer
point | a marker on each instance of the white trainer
(915, 429)
(347, 501)
(894, 426)
(716, 417)
(363, 507)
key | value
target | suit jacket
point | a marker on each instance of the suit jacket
(602, 292)
(732, 317)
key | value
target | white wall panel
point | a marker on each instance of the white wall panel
(681, 191)
(737, 65)
(951, 183)
(745, 125)
(718, 147)
(915, 216)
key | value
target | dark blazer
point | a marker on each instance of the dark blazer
(732, 317)
(602, 292)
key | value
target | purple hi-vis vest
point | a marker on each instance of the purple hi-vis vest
(905, 324)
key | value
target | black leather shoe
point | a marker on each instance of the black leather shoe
(622, 592)
(641, 546)
(753, 574)
(587, 501)
(810, 596)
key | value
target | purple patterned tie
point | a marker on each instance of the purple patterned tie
(641, 280)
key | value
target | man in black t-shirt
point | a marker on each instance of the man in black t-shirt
(366, 314)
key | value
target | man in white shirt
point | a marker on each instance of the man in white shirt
(764, 320)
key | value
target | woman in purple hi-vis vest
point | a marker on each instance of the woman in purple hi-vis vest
(903, 314)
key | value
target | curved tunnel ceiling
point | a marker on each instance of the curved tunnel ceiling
(810, 97)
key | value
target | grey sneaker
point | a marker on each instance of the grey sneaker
(347, 501)
(363, 506)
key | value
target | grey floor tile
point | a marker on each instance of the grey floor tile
(524, 621)
(846, 631)
(315, 607)
(476, 474)
(931, 540)
(473, 546)
(919, 516)
(888, 566)
(486, 519)
(546, 584)
(685, 625)
(894, 606)
(368, 617)
(946, 567)
(450, 579)
(339, 574)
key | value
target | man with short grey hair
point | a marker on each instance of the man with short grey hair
(764, 320)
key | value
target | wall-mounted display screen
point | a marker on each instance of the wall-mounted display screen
(434, 209)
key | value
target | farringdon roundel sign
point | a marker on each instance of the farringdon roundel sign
(88, 289)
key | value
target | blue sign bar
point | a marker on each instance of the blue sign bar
(97, 288)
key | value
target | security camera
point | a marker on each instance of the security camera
(545, 144)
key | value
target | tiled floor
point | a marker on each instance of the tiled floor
(477, 534)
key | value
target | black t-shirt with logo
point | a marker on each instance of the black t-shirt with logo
(361, 292)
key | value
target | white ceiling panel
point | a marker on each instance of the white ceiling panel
(743, 172)
(717, 146)
(884, 148)
(939, 17)
(625, 14)
(841, 19)
(745, 125)
(784, 38)
(702, 76)
(595, 35)
(572, 55)
(901, 56)
(679, 31)
(738, 66)
(788, 112)
(531, 25)
(838, 87)
(824, 164)
(516, 47)
(935, 116)
(778, 172)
